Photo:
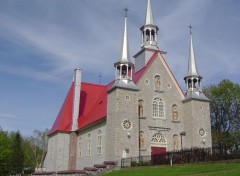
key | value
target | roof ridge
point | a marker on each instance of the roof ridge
(94, 84)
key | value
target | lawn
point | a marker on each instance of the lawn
(210, 169)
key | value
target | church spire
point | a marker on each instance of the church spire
(149, 16)
(125, 46)
(149, 30)
(193, 79)
(192, 67)
(124, 66)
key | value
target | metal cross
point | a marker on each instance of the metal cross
(126, 10)
(190, 27)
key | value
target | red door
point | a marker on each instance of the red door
(158, 155)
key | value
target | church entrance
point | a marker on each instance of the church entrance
(158, 155)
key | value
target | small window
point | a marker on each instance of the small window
(89, 145)
(99, 144)
(80, 146)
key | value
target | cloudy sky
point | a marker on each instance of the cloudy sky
(43, 41)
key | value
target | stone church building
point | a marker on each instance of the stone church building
(142, 112)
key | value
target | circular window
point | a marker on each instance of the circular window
(202, 132)
(126, 124)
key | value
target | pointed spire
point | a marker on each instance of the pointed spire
(149, 16)
(193, 79)
(192, 67)
(125, 46)
(124, 66)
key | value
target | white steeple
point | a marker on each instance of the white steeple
(149, 16)
(124, 66)
(149, 30)
(192, 67)
(125, 46)
(193, 79)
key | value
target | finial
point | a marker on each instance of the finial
(190, 27)
(126, 11)
(100, 78)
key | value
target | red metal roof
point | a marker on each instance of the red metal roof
(64, 119)
(93, 103)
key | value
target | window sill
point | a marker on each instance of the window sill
(175, 121)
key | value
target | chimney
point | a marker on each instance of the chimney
(76, 98)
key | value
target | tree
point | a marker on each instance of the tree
(225, 113)
(17, 159)
(5, 153)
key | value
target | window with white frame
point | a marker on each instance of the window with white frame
(89, 145)
(158, 108)
(80, 146)
(99, 143)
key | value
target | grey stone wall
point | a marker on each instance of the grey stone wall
(122, 125)
(170, 95)
(197, 124)
(85, 160)
(58, 152)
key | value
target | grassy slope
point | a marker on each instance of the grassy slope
(220, 169)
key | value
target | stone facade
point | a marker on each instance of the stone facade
(58, 152)
(94, 136)
(122, 124)
(142, 112)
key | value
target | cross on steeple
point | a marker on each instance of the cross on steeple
(190, 27)
(126, 11)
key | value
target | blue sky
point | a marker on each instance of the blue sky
(43, 41)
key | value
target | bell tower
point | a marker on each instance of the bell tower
(196, 107)
(149, 30)
(149, 45)
(122, 113)
(124, 66)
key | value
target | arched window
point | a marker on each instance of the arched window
(158, 138)
(99, 143)
(140, 108)
(80, 146)
(158, 108)
(147, 35)
(175, 142)
(153, 35)
(174, 112)
(141, 139)
(89, 145)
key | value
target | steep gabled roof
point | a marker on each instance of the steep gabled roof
(93, 107)
(64, 118)
(93, 100)
(93, 104)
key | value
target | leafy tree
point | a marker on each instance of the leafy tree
(5, 153)
(225, 113)
(17, 155)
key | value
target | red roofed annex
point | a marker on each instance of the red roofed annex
(142, 112)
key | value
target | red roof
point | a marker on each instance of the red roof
(93, 107)
(64, 119)
(93, 103)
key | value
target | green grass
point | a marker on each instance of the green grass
(210, 169)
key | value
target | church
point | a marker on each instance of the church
(142, 112)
